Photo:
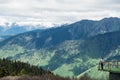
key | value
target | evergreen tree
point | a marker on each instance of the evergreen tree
(3, 72)
(22, 72)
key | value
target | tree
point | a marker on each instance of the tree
(23, 71)
(3, 72)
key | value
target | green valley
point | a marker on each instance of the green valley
(68, 50)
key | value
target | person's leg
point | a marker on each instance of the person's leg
(99, 66)
(102, 66)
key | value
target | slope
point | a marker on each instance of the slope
(68, 50)
(94, 74)
(76, 31)
(73, 57)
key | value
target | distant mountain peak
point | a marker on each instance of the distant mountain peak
(111, 18)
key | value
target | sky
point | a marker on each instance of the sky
(54, 12)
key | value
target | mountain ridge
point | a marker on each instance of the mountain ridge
(75, 31)
(67, 50)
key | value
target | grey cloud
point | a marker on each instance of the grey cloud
(114, 1)
(57, 11)
(5, 1)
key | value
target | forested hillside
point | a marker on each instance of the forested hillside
(67, 50)
(13, 68)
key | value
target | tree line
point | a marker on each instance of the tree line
(13, 68)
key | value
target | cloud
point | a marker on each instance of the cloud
(56, 11)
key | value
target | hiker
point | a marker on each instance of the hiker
(101, 63)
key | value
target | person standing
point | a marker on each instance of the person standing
(102, 63)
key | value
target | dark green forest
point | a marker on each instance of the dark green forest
(25, 71)
(13, 68)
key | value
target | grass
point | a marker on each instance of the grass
(95, 74)
(116, 70)
(64, 70)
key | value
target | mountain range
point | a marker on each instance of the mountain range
(14, 28)
(68, 50)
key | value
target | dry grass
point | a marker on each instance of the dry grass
(43, 77)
